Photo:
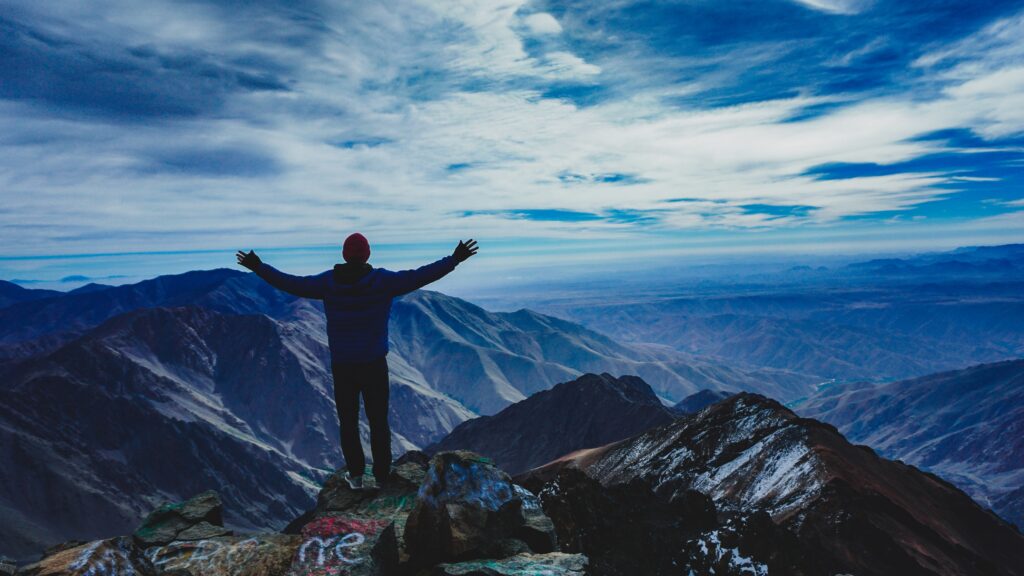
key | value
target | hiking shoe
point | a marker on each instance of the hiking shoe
(354, 482)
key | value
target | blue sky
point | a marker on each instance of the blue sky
(158, 136)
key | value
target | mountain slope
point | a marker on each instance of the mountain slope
(966, 426)
(163, 402)
(484, 360)
(488, 360)
(861, 514)
(587, 412)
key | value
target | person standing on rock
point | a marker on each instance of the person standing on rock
(357, 302)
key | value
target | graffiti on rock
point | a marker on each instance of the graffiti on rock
(111, 560)
(332, 544)
(202, 555)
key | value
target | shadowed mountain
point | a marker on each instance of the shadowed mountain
(851, 511)
(699, 401)
(966, 426)
(74, 312)
(587, 412)
(11, 293)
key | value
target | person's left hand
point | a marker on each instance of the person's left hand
(464, 250)
(250, 260)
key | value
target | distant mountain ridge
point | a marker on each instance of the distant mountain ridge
(1007, 259)
(965, 425)
(11, 293)
(878, 320)
(584, 413)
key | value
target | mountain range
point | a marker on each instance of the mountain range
(212, 378)
(965, 425)
(877, 320)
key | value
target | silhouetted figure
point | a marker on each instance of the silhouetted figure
(357, 301)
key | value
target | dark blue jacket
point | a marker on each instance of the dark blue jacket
(357, 308)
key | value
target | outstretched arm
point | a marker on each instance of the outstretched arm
(301, 286)
(406, 281)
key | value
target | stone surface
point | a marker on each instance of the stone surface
(552, 564)
(342, 544)
(112, 557)
(197, 518)
(468, 508)
(390, 503)
(253, 555)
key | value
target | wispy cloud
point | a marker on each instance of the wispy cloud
(219, 124)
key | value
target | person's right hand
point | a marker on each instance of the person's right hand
(464, 250)
(250, 260)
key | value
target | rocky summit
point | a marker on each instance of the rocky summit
(744, 487)
(792, 496)
(455, 514)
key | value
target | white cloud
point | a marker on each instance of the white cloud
(357, 82)
(542, 23)
(836, 6)
(565, 65)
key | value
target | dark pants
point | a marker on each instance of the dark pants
(369, 379)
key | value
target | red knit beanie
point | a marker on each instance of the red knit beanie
(356, 249)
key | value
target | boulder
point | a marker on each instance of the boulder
(467, 508)
(111, 557)
(346, 544)
(553, 564)
(253, 555)
(198, 518)
(391, 502)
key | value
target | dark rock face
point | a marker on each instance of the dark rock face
(966, 426)
(623, 529)
(849, 510)
(198, 518)
(467, 508)
(748, 544)
(590, 411)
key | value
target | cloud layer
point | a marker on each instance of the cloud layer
(215, 124)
